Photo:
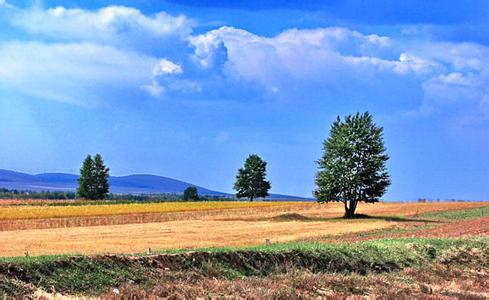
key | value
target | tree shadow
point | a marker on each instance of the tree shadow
(388, 218)
(302, 218)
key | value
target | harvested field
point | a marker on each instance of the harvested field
(208, 224)
(42, 217)
(444, 224)
(136, 238)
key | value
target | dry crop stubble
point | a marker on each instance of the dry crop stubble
(136, 238)
(188, 225)
(230, 224)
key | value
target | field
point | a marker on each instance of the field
(249, 241)
(133, 228)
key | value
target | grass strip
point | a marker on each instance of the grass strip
(97, 274)
(463, 214)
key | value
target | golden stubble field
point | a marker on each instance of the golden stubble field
(132, 228)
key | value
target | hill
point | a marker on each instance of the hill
(131, 184)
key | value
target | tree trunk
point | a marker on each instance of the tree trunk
(350, 211)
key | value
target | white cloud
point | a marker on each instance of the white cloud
(94, 51)
(338, 58)
(455, 78)
(78, 73)
(91, 53)
(166, 67)
(108, 25)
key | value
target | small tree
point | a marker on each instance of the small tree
(101, 177)
(251, 180)
(191, 194)
(93, 182)
(352, 168)
(85, 181)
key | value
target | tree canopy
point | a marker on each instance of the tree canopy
(191, 194)
(251, 180)
(93, 182)
(352, 168)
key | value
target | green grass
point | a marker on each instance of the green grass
(92, 275)
(463, 214)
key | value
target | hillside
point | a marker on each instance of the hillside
(131, 184)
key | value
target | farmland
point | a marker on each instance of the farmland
(291, 243)
(133, 228)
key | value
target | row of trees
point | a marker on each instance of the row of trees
(351, 170)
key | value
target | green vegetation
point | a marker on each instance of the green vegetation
(93, 182)
(251, 180)
(111, 198)
(352, 168)
(191, 194)
(92, 275)
(51, 195)
(471, 213)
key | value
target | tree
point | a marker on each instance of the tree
(93, 182)
(191, 194)
(101, 177)
(85, 181)
(251, 180)
(352, 168)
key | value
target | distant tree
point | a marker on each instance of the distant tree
(101, 177)
(251, 180)
(85, 181)
(352, 168)
(191, 194)
(93, 182)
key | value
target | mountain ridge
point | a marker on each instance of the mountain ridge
(127, 184)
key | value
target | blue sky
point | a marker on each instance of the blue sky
(186, 90)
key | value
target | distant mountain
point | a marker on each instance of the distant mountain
(131, 184)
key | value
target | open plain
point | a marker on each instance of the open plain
(133, 228)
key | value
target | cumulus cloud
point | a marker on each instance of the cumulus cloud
(331, 58)
(108, 24)
(166, 67)
(75, 51)
(78, 56)
(302, 53)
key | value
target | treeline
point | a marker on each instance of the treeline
(51, 195)
(59, 195)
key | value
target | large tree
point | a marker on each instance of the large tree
(101, 177)
(251, 180)
(85, 180)
(352, 168)
(93, 182)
